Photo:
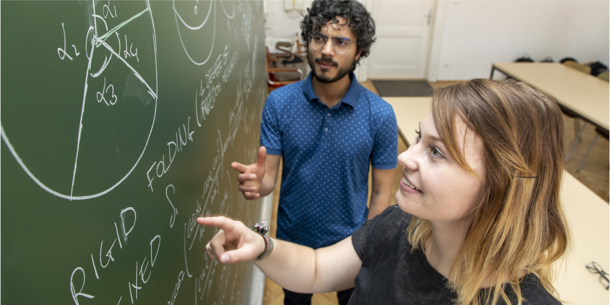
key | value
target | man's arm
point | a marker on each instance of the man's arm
(258, 179)
(384, 155)
(272, 168)
(381, 193)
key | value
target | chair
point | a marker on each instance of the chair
(288, 64)
(577, 66)
(598, 131)
(302, 51)
(280, 76)
(293, 48)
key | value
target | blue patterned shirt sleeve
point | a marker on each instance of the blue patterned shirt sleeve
(270, 131)
(385, 150)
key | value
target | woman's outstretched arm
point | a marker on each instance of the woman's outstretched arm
(294, 267)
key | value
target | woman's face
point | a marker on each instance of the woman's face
(434, 186)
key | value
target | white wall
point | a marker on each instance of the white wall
(472, 34)
(282, 24)
(477, 33)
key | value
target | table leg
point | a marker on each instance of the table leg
(587, 154)
(576, 141)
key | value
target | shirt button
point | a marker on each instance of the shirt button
(328, 115)
(325, 129)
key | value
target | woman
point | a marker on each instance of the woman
(478, 217)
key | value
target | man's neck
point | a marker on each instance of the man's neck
(331, 94)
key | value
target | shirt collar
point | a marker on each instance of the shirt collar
(350, 98)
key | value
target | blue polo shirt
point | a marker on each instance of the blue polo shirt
(326, 155)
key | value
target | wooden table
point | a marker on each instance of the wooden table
(587, 214)
(582, 93)
(588, 219)
(409, 112)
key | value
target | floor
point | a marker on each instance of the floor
(594, 175)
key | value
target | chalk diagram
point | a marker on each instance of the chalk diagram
(115, 55)
(191, 17)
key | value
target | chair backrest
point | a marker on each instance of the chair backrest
(577, 66)
(285, 47)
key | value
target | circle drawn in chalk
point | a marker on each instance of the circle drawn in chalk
(191, 26)
(192, 31)
(79, 158)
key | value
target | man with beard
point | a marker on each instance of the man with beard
(327, 128)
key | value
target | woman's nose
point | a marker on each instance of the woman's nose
(407, 159)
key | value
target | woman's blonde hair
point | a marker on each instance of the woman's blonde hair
(518, 226)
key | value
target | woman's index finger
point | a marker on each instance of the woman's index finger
(220, 222)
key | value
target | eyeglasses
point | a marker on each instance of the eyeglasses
(594, 267)
(340, 44)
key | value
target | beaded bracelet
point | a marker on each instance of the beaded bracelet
(268, 248)
(262, 229)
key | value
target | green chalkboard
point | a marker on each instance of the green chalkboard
(119, 122)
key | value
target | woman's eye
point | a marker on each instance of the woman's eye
(318, 38)
(436, 153)
(418, 138)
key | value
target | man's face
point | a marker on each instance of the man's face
(326, 64)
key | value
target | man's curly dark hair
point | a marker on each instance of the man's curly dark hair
(358, 18)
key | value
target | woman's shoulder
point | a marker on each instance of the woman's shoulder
(384, 229)
(389, 224)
